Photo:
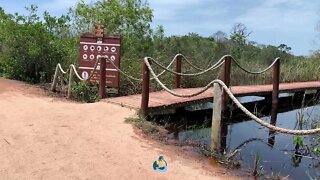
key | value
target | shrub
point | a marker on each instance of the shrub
(83, 92)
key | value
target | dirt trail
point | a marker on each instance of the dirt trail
(44, 137)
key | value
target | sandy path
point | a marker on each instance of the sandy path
(49, 138)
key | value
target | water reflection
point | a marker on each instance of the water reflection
(273, 121)
(279, 153)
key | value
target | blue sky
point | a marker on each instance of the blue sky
(292, 22)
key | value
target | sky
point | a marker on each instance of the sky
(272, 22)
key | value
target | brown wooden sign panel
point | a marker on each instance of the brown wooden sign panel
(91, 48)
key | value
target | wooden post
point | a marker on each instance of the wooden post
(102, 83)
(318, 94)
(275, 81)
(55, 79)
(216, 118)
(178, 70)
(70, 82)
(145, 89)
(63, 88)
(273, 121)
(225, 77)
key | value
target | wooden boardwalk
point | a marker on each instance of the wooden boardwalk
(162, 99)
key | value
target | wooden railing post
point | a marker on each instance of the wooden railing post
(70, 82)
(102, 83)
(275, 81)
(55, 79)
(318, 94)
(225, 77)
(178, 70)
(145, 89)
(216, 118)
(273, 121)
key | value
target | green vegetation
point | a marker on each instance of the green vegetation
(147, 127)
(83, 92)
(31, 46)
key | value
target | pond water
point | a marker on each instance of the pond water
(278, 153)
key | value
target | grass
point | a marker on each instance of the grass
(147, 127)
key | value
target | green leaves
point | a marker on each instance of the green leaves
(130, 18)
(316, 150)
(81, 91)
(30, 46)
(298, 141)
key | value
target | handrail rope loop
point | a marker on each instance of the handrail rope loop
(122, 72)
(215, 66)
(61, 70)
(233, 98)
(257, 72)
(165, 68)
(140, 79)
(260, 121)
(146, 60)
(91, 74)
(174, 58)
(188, 62)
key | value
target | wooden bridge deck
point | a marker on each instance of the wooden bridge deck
(163, 99)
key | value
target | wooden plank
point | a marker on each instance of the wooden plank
(162, 99)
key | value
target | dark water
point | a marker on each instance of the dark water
(278, 152)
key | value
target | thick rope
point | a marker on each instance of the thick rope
(91, 74)
(172, 61)
(215, 66)
(122, 72)
(258, 72)
(188, 62)
(140, 79)
(235, 100)
(75, 71)
(165, 68)
(260, 121)
(167, 89)
(61, 70)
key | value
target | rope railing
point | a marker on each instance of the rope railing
(260, 121)
(188, 62)
(60, 68)
(55, 77)
(218, 64)
(257, 72)
(124, 73)
(72, 70)
(140, 79)
(214, 66)
(146, 61)
(235, 100)
(166, 69)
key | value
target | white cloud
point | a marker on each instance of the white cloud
(272, 22)
(281, 15)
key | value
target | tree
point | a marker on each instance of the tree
(130, 18)
(239, 35)
(220, 36)
(30, 51)
(284, 48)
